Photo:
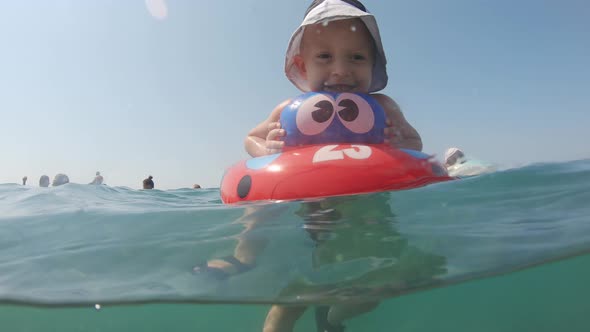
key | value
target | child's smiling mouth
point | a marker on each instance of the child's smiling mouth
(339, 87)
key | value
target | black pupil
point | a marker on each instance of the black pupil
(350, 111)
(324, 111)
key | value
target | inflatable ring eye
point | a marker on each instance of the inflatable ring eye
(315, 115)
(355, 113)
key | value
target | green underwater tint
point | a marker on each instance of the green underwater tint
(552, 297)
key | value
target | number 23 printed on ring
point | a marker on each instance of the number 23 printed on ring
(329, 152)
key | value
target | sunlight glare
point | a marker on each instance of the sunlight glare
(157, 8)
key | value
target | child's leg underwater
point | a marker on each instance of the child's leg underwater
(341, 312)
(282, 318)
(250, 245)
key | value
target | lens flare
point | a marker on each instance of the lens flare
(157, 8)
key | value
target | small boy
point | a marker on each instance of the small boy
(337, 48)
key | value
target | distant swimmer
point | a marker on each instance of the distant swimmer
(44, 181)
(25, 180)
(60, 179)
(98, 179)
(196, 186)
(454, 156)
(459, 165)
(148, 183)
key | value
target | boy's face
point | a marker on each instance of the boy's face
(337, 56)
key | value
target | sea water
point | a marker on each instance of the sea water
(507, 251)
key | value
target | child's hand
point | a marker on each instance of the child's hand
(265, 138)
(273, 142)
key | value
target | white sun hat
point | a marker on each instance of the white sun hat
(332, 10)
(450, 152)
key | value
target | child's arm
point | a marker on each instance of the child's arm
(263, 139)
(399, 132)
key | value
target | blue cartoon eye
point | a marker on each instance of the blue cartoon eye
(355, 113)
(315, 114)
(324, 111)
(349, 111)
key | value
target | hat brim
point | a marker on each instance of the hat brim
(450, 152)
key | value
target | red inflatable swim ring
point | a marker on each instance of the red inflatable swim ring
(323, 166)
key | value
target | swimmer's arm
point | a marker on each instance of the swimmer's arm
(262, 140)
(399, 132)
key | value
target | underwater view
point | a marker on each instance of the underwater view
(506, 251)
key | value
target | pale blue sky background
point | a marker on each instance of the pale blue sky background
(103, 85)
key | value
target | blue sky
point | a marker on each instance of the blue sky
(105, 85)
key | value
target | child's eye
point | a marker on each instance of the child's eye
(358, 57)
(324, 56)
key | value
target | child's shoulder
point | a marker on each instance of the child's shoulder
(284, 103)
(276, 112)
(385, 101)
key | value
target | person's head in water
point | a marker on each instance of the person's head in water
(60, 179)
(337, 48)
(25, 180)
(196, 186)
(148, 183)
(44, 181)
(98, 179)
(454, 156)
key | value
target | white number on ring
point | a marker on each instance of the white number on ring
(328, 153)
